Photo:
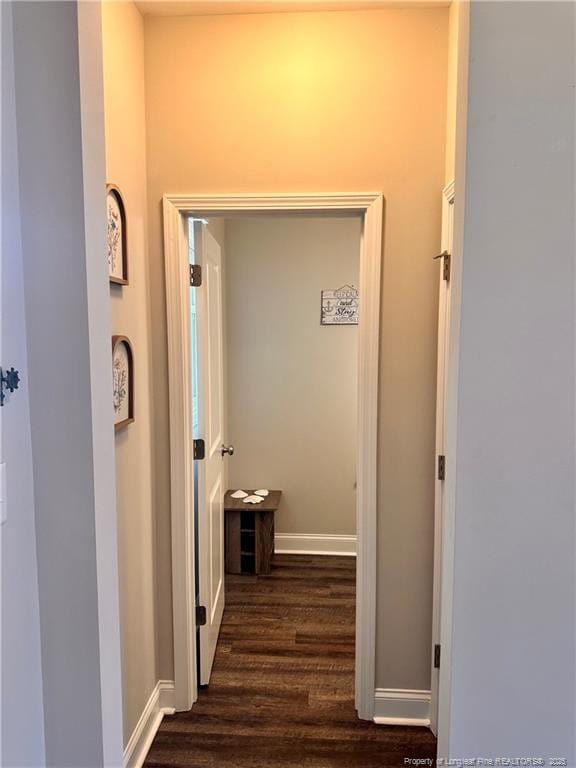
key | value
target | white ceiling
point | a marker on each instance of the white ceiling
(219, 7)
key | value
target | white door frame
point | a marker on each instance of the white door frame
(444, 305)
(176, 208)
(452, 379)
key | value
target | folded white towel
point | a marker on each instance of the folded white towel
(239, 495)
(262, 492)
(253, 500)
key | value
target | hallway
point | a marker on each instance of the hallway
(282, 688)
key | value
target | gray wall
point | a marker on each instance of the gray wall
(514, 601)
(22, 736)
(61, 165)
(291, 381)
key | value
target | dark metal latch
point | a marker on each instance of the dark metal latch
(441, 467)
(446, 264)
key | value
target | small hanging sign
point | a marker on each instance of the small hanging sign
(340, 307)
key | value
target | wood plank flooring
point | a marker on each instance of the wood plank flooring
(282, 687)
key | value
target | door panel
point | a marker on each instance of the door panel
(214, 306)
(216, 546)
(211, 479)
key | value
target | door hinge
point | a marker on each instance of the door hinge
(446, 262)
(199, 450)
(200, 616)
(195, 275)
(441, 467)
(446, 267)
(436, 657)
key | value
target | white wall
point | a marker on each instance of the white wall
(292, 381)
(512, 689)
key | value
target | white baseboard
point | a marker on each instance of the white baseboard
(393, 706)
(314, 544)
(160, 703)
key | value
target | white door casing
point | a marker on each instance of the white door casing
(441, 394)
(176, 210)
(211, 475)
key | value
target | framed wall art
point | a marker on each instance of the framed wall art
(116, 236)
(339, 307)
(122, 381)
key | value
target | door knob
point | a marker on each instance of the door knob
(229, 449)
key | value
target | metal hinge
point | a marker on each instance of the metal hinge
(195, 275)
(441, 467)
(436, 657)
(199, 449)
(446, 264)
(200, 616)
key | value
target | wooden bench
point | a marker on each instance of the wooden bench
(250, 533)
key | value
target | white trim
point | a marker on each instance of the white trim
(181, 453)
(370, 205)
(160, 703)
(226, 204)
(367, 466)
(452, 374)
(444, 303)
(397, 706)
(314, 544)
(166, 696)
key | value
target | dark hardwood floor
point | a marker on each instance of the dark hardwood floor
(282, 687)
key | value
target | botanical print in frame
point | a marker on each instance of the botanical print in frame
(116, 236)
(340, 307)
(122, 381)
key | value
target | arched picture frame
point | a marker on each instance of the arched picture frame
(122, 381)
(116, 236)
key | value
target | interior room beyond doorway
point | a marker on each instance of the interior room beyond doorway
(291, 374)
(274, 310)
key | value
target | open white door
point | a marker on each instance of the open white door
(210, 471)
(443, 336)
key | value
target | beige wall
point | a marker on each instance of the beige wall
(308, 102)
(123, 40)
(454, 32)
(292, 381)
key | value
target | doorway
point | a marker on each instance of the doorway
(177, 210)
(278, 326)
